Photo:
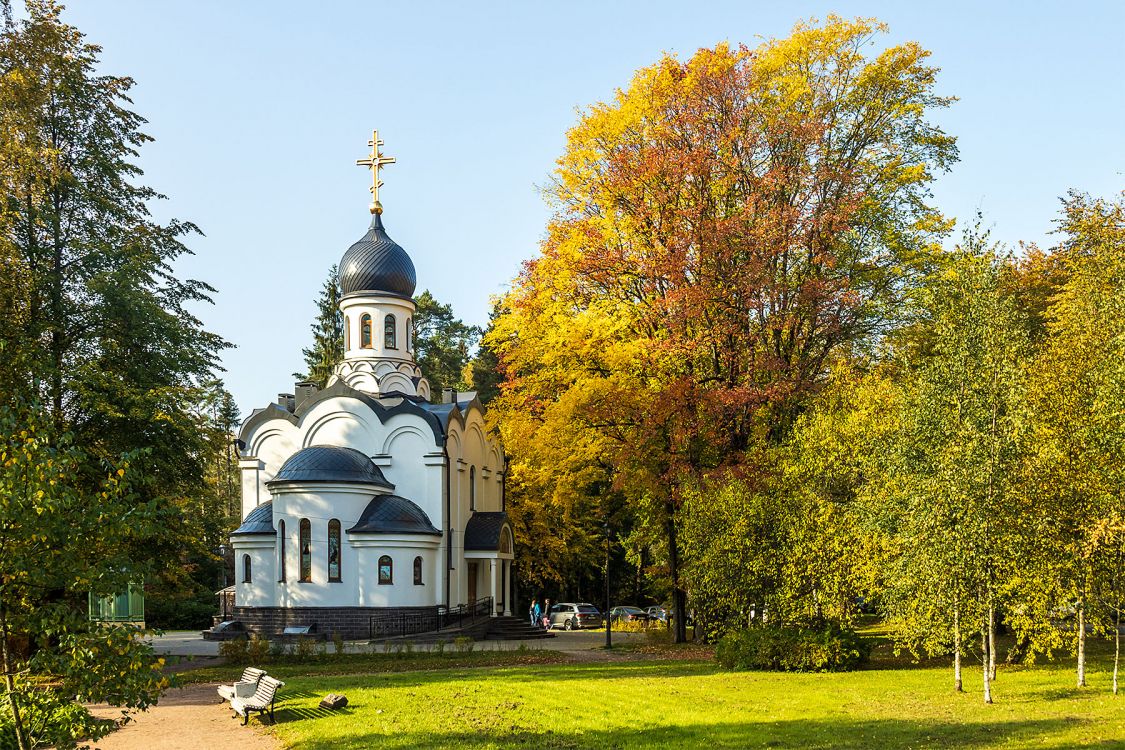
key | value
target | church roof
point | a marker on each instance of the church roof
(391, 514)
(329, 463)
(376, 263)
(259, 521)
(482, 532)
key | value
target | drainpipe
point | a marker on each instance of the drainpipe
(447, 468)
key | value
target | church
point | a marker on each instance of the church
(367, 508)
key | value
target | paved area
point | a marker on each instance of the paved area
(191, 643)
(189, 718)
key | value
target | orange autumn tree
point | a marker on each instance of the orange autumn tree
(723, 229)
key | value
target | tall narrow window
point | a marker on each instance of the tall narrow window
(409, 335)
(417, 571)
(386, 571)
(281, 551)
(389, 332)
(365, 331)
(334, 550)
(246, 568)
(472, 488)
(306, 550)
(347, 333)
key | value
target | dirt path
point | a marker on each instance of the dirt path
(189, 718)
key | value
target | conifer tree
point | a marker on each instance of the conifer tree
(442, 344)
(328, 334)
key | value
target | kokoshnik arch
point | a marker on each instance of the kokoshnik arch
(364, 499)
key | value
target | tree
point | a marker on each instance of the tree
(56, 549)
(953, 485)
(442, 344)
(723, 229)
(328, 334)
(483, 374)
(100, 329)
(1077, 382)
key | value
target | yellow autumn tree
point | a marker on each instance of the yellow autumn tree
(723, 230)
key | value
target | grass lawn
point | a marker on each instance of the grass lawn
(475, 702)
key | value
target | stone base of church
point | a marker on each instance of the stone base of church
(350, 623)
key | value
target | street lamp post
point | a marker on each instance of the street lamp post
(608, 619)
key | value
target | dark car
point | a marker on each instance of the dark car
(571, 616)
(628, 614)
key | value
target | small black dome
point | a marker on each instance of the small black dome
(258, 521)
(391, 514)
(327, 463)
(377, 264)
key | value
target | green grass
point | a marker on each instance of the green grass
(638, 704)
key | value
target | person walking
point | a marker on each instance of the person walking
(546, 623)
(533, 613)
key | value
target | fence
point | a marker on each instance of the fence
(428, 619)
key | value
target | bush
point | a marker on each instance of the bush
(235, 651)
(792, 649)
(257, 649)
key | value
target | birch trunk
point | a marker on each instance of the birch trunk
(957, 649)
(991, 642)
(1081, 644)
(984, 663)
(10, 685)
(1116, 648)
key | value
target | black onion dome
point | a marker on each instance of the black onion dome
(328, 463)
(377, 264)
(391, 514)
(258, 521)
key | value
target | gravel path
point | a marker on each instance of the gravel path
(189, 718)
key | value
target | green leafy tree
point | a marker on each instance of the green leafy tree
(57, 548)
(953, 486)
(102, 334)
(443, 344)
(483, 373)
(1075, 475)
(328, 334)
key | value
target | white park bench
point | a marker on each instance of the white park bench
(245, 686)
(261, 701)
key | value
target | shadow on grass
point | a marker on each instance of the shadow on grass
(805, 733)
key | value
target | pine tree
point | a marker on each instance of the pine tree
(442, 344)
(328, 334)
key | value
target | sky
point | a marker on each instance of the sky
(260, 109)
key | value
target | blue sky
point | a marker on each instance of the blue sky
(260, 109)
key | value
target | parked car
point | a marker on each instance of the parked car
(659, 614)
(628, 614)
(571, 616)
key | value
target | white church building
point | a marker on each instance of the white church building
(365, 504)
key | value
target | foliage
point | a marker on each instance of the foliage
(826, 649)
(328, 334)
(60, 543)
(96, 326)
(1074, 474)
(723, 229)
(442, 344)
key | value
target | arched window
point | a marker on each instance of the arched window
(246, 568)
(347, 333)
(417, 571)
(389, 332)
(386, 571)
(409, 335)
(472, 488)
(334, 550)
(365, 331)
(306, 550)
(506, 541)
(281, 551)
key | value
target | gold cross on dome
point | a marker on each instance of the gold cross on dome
(375, 161)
